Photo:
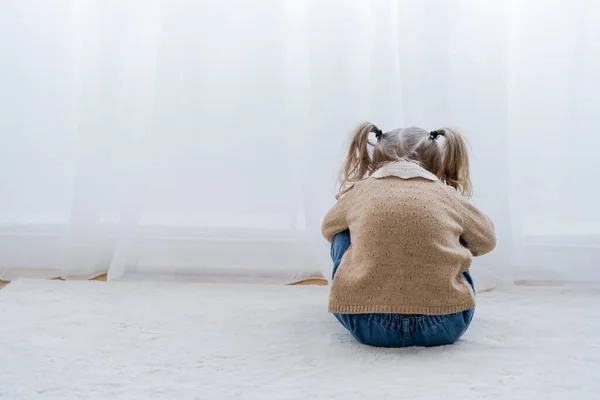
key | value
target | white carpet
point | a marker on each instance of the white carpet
(93, 340)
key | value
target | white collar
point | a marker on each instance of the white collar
(404, 170)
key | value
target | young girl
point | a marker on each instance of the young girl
(403, 235)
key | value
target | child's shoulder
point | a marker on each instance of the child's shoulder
(454, 196)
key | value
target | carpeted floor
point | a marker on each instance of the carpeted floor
(92, 340)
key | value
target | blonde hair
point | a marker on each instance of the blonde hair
(448, 161)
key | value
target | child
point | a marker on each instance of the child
(403, 235)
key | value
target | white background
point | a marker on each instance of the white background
(203, 137)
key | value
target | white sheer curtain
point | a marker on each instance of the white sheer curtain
(170, 138)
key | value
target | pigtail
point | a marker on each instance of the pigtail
(455, 163)
(359, 162)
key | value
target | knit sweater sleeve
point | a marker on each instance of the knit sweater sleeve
(478, 229)
(335, 220)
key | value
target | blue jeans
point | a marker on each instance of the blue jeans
(395, 330)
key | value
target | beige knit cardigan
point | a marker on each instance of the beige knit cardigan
(405, 256)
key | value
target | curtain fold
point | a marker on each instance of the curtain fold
(160, 138)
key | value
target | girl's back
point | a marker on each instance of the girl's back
(406, 256)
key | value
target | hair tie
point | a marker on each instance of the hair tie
(434, 134)
(378, 132)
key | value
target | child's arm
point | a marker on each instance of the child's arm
(479, 234)
(335, 220)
